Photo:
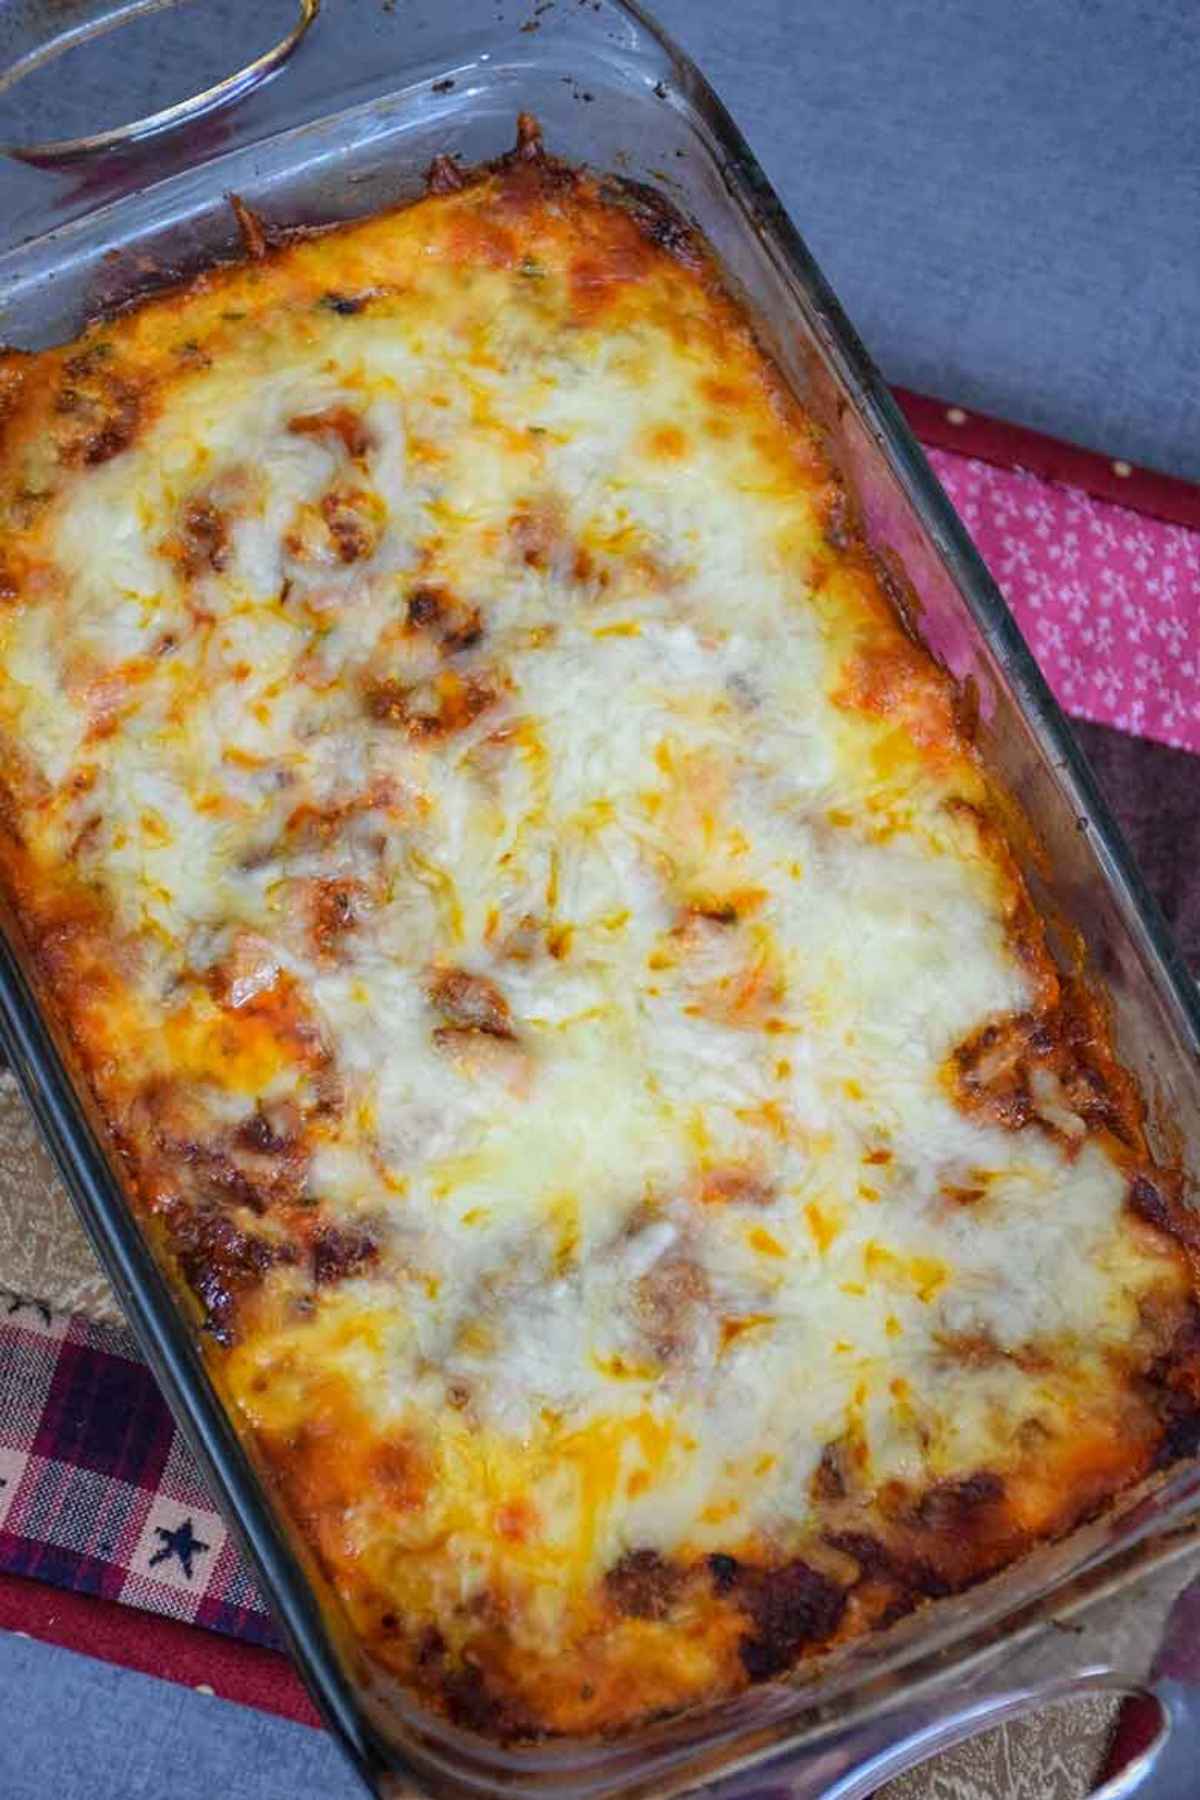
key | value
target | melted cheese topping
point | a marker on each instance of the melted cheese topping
(522, 901)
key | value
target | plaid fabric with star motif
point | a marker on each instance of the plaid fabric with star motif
(98, 1491)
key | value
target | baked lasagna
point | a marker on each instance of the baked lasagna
(551, 962)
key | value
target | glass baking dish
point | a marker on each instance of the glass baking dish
(330, 124)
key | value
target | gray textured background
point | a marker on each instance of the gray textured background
(1006, 194)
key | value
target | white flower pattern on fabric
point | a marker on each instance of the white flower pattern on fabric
(1108, 599)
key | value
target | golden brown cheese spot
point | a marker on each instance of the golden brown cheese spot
(470, 1002)
(482, 1055)
(749, 995)
(960, 1504)
(598, 275)
(105, 694)
(670, 1305)
(204, 537)
(667, 443)
(400, 1467)
(262, 1023)
(521, 941)
(644, 1585)
(790, 1607)
(272, 1129)
(841, 1468)
(99, 412)
(650, 219)
(475, 239)
(335, 905)
(355, 521)
(339, 1253)
(473, 1702)
(540, 537)
(238, 1167)
(341, 424)
(895, 681)
(222, 1263)
(992, 1069)
(726, 909)
(326, 1464)
(963, 1193)
(1173, 1376)
(737, 1186)
(731, 1331)
(318, 828)
(1158, 1199)
(1050, 1068)
(23, 787)
(12, 577)
(979, 1349)
(449, 621)
(431, 710)
(344, 527)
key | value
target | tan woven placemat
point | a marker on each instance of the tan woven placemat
(44, 1255)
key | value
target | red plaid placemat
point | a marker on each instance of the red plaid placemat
(99, 1496)
(98, 1492)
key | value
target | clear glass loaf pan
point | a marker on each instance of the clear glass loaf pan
(335, 123)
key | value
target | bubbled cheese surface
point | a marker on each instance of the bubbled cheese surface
(473, 667)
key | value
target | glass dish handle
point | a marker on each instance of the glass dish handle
(1162, 1670)
(1167, 1769)
(81, 20)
